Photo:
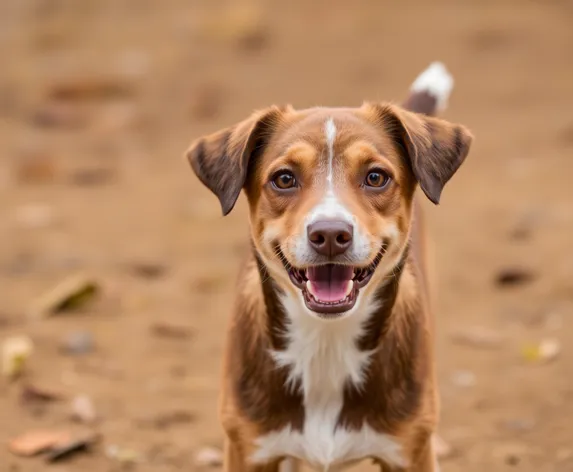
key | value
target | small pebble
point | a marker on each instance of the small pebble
(519, 425)
(443, 449)
(546, 351)
(78, 343)
(478, 337)
(549, 349)
(54, 115)
(124, 456)
(464, 378)
(209, 457)
(83, 409)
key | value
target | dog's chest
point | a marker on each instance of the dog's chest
(322, 358)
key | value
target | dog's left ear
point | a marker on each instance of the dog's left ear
(435, 148)
(221, 160)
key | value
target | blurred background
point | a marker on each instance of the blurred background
(117, 270)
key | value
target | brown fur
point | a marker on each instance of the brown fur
(399, 396)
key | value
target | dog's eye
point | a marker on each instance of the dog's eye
(284, 180)
(377, 179)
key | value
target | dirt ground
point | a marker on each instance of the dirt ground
(98, 101)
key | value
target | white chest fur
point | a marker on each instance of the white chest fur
(322, 357)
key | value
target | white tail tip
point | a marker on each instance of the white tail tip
(437, 81)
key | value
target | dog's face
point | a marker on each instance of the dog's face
(330, 192)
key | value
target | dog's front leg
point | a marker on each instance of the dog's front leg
(235, 460)
(425, 460)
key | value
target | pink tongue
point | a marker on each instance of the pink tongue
(329, 282)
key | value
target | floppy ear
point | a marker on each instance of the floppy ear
(435, 148)
(221, 160)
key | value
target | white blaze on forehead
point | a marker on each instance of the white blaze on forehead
(330, 206)
(330, 132)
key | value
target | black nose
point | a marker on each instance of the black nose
(330, 237)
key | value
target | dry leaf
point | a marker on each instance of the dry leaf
(64, 450)
(36, 167)
(165, 330)
(33, 393)
(89, 89)
(530, 352)
(148, 270)
(70, 294)
(15, 353)
(513, 276)
(59, 115)
(546, 351)
(167, 419)
(93, 176)
(35, 442)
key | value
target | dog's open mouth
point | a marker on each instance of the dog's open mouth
(331, 289)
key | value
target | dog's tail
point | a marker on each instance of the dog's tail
(430, 92)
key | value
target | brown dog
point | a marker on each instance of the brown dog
(329, 356)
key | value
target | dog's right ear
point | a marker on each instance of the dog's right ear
(221, 160)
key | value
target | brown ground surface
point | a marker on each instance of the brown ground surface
(115, 192)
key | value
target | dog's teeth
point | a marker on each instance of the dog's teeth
(349, 287)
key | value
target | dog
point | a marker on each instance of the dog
(329, 354)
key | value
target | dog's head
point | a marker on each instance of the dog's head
(330, 192)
